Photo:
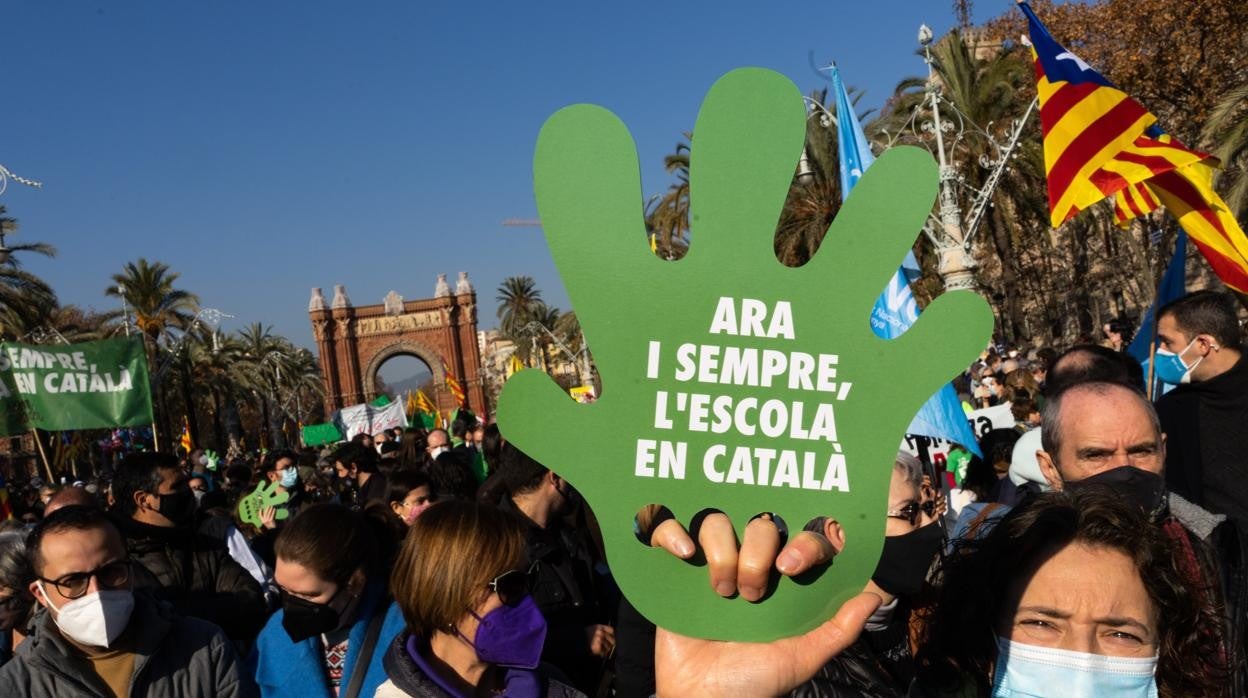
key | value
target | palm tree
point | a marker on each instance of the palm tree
(25, 299)
(149, 293)
(261, 360)
(667, 216)
(518, 297)
(9, 226)
(1227, 132)
(158, 307)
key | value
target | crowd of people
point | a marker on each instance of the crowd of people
(1096, 548)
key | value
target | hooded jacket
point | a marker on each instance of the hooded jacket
(176, 657)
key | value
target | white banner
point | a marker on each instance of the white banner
(982, 421)
(367, 419)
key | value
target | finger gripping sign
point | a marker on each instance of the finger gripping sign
(264, 496)
(730, 381)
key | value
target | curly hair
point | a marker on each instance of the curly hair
(958, 643)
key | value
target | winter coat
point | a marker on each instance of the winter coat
(297, 669)
(196, 574)
(177, 657)
(406, 679)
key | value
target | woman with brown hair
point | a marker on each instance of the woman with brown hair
(472, 627)
(1071, 594)
(336, 617)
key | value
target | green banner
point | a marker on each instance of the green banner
(90, 385)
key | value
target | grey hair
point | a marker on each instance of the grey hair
(1051, 413)
(910, 468)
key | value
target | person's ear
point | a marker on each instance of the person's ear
(37, 592)
(554, 480)
(140, 500)
(1049, 469)
(355, 583)
(397, 508)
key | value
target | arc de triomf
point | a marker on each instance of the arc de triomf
(353, 341)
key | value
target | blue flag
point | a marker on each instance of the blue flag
(896, 310)
(1173, 286)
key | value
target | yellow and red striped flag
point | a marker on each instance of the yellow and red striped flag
(185, 440)
(1095, 144)
(453, 385)
(424, 404)
(1189, 196)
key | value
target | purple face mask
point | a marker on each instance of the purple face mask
(511, 636)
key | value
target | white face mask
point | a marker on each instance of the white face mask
(437, 452)
(94, 620)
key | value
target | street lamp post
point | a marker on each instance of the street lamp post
(956, 265)
(951, 235)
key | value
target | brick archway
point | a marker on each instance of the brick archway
(353, 341)
(403, 347)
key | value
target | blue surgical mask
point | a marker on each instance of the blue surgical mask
(289, 477)
(1170, 368)
(1028, 671)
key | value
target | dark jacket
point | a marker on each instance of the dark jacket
(177, 657)
(877, 665)
(1205, 424)
(565, 586)
(197, 575)
(407, 678)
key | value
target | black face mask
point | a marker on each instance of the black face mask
(178, 507)
(906, 558)
(1147, 490)
(303, 619)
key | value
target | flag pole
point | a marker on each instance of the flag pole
(1152, 341)
(155, 439)
(44, 456)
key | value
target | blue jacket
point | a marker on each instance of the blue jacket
(284, 668)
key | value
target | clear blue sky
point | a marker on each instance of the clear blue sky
(263, 148)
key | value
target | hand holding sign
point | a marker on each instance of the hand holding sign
(731, 382)
(253, 507)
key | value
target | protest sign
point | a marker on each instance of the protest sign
(370, 419)
(730, 381)
(89, 385)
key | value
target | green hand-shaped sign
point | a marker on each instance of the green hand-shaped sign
(211, 459)
(264, 496)
(730, 381)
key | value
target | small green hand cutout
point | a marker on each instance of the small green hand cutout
(730, 381)
(211, 459)
(264, 496)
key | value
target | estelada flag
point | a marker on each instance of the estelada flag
(1095, 143)
(1189, 196)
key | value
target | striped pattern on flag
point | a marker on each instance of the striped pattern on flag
(453, 385)
(1158, 155)
(1094, 134)
(1189, 196)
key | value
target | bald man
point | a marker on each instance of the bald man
(70, 497)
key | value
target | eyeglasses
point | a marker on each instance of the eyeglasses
(511, 586)
(110, 576)
(909, 512)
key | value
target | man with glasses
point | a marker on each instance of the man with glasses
(98, 637)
